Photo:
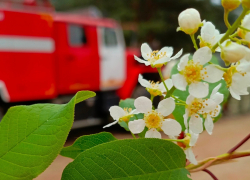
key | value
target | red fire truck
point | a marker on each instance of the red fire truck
(46, 55)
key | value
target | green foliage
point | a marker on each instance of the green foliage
(180, 110)
(32, 136)
(86, 142)
(129, 159)
(129, 103)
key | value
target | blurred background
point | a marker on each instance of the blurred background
(49, 50)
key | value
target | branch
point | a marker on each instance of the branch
(210, 173)
(239, 144)
(216, 160)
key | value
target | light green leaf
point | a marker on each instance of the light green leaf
(129, 103)
(129, 159)
(180, 110)
(86, 142)
(32, 136)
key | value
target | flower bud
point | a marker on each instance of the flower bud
(246, 4)
(233, 52)
(189, 21)
(230, 4)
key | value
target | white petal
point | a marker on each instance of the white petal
(110, 124)
(194, 138)
(177, 55)
(195, 124)
(212, 74)
(199, 90)
(207, 31)
(234, 94)
(209, 124)
(116, 112)
(143, 82)
(162, 61)
(134, 111)
(145, 51)
(183, 62)
(169, 84)
(143, 104)
(166, 106)
(190, 156)
(141, 61)
(216, 112)
(202, 55)
(244, 66)
(167, 50)
(190, 99)
(171, 127)
(217, 98)
(185, 117)
(153, 133)
(179, 82)
(208, 106)
(216, 89)
(136, 126)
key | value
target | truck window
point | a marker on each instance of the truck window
(76, 34)
(110, 38)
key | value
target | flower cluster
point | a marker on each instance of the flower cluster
(196, 74)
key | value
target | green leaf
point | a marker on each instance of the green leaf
(129, 103)
(86, 142)
(180, 110)
(129, 159)
(31, 137)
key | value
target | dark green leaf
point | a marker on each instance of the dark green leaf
(86, 142)
(32, 136)
(129, 159)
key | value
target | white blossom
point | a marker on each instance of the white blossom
(246, 24)
(119, 114)
(155, 88)
(154, 119)
(232, 52)
(193, 73)
(189, 21)
(191, 141)
(207, 108)
(237, 78)
(156, 58)
(209, 35)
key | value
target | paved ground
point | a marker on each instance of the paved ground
(228, 131)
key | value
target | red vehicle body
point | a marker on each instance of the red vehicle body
(46, 55)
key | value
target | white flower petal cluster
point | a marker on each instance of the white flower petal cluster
(237, 78)
(155, 89)
(154, 119)
(156, 58)
(207, 108)
(192, 139)
(189, 21)
(119, 114)
(209, 35)
(246, 24)
(193, 73)
(232, 52)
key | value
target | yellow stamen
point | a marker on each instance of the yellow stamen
(154, 89)
(192, 72)
(153, 120)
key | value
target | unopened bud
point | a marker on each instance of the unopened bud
(230, 4)
(189, 21)
(233, 52)
(246, 4)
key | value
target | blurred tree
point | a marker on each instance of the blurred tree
(156, 20)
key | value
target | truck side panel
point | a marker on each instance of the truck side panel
(27, 56)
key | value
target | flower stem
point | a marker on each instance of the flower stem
(175, 140)
(177, 99)
(231, 29)
(180, 104)
(193, 40)
(211, 174)
(239, 144)
(162, 79)
(226, 12)
(248, 30)
(218, 67)
(170, 92)
(133, 135)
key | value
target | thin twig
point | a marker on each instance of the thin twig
(210, 173)
(239, 144)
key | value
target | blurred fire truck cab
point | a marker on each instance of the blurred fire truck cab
(47, 55)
